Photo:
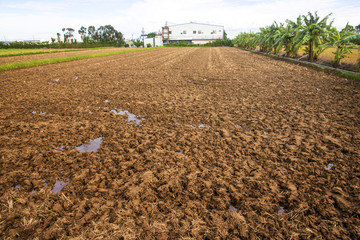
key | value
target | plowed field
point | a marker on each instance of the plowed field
(183, 143)
(32, 57)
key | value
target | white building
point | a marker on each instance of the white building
(156, 41)
(192, 33)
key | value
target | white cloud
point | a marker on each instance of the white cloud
(45, 18)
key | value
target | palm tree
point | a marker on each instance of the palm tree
(342, 42)
(314, 33)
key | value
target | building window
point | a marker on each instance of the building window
(200, 32)
(219, 30)
(183, 32)
(194, 32)
(169, 32)
(213, 32)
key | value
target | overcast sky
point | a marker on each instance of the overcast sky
(42, 19)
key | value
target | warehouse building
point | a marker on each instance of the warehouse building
(191, 33)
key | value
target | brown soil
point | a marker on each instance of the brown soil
(26, 58)
(232, 145)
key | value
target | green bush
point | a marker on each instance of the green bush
(180, 44)
(220, 42)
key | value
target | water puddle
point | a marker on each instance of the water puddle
(281, 210)
(131, 117)
(59, 185)
(17, 186)
(329, 166)
(58, 79)
(201, 126)
(232, 208)
(33, 191)
(76, 78)
(107, 100)
(46, 184)
(318, 89)
(93, 146)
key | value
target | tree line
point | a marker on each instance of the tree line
(309, 31)
(103, 34)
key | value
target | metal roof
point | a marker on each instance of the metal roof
(195, 23)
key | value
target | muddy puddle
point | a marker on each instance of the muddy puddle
(131, 117)
(92, 146)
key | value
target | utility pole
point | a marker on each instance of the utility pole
(143, 35)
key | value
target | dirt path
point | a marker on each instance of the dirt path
(224, 144)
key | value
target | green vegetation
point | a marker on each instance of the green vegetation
(104, 36)
(138, 43)
(358, 62)
(56, 45)
(20, 52)
(151, 35)
(308, 30)
(64, 59)
(342, 42)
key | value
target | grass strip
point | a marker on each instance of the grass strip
(9, 66)
(339, 72)
(47, 51)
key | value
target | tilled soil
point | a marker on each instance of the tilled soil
(32, 57)
(225, 144)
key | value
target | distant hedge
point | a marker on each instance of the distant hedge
(215, 43)
(33, 45)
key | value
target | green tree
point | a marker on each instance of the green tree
(314, 33)
(91, 33)
(342, 41)
(68, 34)
(151, 35)
(285, 38)
(82, 31)
(138, 43)
(58, 37)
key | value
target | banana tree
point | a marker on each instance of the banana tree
(286, 38)
(267, 38)
(314, 33)
(342, 42)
